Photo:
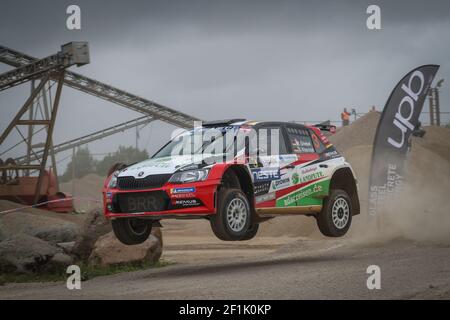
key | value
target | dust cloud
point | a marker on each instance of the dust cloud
(421, 211)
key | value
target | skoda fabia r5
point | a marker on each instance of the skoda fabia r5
(236, 174)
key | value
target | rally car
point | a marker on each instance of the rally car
(236, 174)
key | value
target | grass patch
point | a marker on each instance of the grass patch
(87, 272)
(21, 278)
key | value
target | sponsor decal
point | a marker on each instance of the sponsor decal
(278, 184)
(261, 188)
(312, 176)
(186, 202)
(293, 198)
(265, 197)
(305, 144)
(308, 170)
(182, 190)
(182, 195)
(306, 149)
(316, 141)
(267, 174)
(295, 178)
(155, 163)
(109, 195)
(331, 154)
(159, 165)
(399, 119)
(304, 196)
(325, 140)
(382, 193)
(288, 158)
(403, 119)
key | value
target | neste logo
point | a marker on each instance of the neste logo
(266, 174)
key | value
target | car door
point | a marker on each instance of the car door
(272, 155)
(305, 175)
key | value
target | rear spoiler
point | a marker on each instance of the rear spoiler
(220, 123)
(326, 127)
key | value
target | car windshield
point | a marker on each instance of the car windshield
(217, 140)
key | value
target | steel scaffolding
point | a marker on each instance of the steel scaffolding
(52, 71)
(48, 69)
(107, 92)
(71, 144)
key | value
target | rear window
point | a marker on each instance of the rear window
(300, 140)
(265, 136)
(318, 145)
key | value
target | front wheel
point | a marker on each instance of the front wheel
(251, 232)
(131, 231)
(233, 217)
(336, 216)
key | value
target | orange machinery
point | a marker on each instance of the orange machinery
(23, 189)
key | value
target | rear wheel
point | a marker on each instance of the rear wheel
(233, 217)
(131, 231)
(336, 216)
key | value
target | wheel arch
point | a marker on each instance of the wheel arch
(344, 179)
(245, 181)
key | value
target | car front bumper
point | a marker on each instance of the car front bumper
(170, 201)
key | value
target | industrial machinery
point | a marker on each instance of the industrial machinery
(18, 180)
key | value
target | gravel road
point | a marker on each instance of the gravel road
(301, 269)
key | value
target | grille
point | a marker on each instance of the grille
(152, 181)
(141, 202)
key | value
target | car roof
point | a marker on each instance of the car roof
(224, 122)
(239, 122)
(275, 123)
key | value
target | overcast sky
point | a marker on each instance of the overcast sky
(264, 60)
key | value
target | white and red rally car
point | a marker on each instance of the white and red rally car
(278, 168)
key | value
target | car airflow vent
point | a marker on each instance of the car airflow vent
(148, 182)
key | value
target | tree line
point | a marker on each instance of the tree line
(86, 164)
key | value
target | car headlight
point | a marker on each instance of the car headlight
(189, 176)
(113, 182)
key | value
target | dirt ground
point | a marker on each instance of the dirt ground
(289, 258)
(301, 269)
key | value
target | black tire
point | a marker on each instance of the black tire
(337, 223)
(233, 218)
(230, 180)
(251, 232)
(131, 231)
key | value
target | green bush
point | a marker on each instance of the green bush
(85, 162)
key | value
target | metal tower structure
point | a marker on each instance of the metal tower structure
(435, 112)
(71, 144)
(107, 92)
(52, 72)
(48, 70)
